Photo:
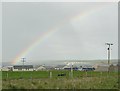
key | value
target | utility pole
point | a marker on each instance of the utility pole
(108, 49)
(23, 60)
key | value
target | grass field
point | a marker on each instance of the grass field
(0, 80)
(42, 80)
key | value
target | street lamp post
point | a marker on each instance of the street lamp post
(109, 44)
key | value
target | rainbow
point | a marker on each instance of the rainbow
(40, 39)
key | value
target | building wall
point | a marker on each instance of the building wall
(22, 70)
(113, 68)
(101, 68)
(40, 68)
(5, 69)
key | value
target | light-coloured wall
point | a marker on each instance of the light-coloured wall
(22, 70)
(5, 69)
(40, 68)
(101, 68)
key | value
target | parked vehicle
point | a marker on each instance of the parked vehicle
(86, 69)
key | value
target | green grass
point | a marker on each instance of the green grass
(45, 74)
(0, 80)
(41, 80)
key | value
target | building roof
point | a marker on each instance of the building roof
(22, 66)
(67, 66)
(60, 66)
(41, 68)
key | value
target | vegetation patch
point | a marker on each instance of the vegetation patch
(42, 80)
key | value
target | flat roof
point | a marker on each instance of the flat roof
(22, 66)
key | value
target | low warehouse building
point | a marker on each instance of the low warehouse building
(23, 68)
(102, 68)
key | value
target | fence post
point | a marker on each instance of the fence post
(50, 74)
(31, 75)
(101, 77)
(7, 75)
(86, 73)
(72, 71)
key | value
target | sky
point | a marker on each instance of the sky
(47, 31)
(60, 0)
(0, 34)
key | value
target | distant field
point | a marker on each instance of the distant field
(42, 80)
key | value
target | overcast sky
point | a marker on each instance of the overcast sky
(78, 38)
(0, 33)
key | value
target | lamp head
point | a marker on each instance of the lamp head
(108, 43)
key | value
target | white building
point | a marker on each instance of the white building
(67, 67)
(7, 68)
(59, 67)
(40, 68)
(101, 67)
(23, 68)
